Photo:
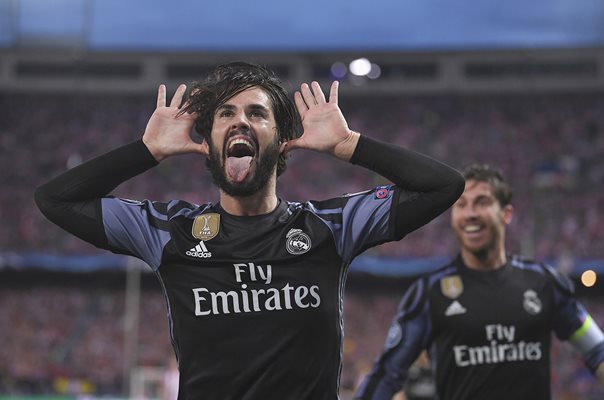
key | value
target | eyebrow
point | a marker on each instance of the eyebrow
(484, 196)
(478, 197)
(251, 106)
(259, 107)
(225, 107)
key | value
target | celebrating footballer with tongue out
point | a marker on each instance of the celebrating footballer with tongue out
(250, 149)
(253, 283)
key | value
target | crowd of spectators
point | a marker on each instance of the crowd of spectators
(551, 147)
(70, 340)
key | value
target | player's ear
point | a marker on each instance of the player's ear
(508, 213)
(205, 148)
(282, 146)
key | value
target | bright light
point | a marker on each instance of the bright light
(360, 67)
(589, 278)
(338, 70)
(375, 72)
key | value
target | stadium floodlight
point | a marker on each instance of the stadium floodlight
(589, 278)
(360, 67)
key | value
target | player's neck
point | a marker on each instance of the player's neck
(262, 202)
(485, 261)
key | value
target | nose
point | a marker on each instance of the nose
(240, 121)
(464, 212)
(470, 211)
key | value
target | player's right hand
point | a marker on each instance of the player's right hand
(168, 131)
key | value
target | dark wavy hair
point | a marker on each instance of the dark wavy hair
(227, 80)
(494, 177)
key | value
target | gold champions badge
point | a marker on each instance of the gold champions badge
(451, 286)
(206, 226)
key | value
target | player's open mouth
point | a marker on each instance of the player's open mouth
(240, 152)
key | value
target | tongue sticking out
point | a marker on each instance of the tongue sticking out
(238, 168)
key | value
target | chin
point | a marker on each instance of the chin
(479, 251)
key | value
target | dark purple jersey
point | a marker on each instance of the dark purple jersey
(488, 333)
(254, 303)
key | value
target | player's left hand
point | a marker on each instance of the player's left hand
(325, 128)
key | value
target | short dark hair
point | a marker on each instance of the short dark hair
(228, 80)
(494, 177)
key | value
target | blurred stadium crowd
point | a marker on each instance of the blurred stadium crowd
(551, 147)
(70, 341)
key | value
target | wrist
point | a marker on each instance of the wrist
(345, 149)
(155, 152)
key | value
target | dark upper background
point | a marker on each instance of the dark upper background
(311, 25)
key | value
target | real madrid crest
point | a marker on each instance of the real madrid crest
(451, 286)
(206, 226)
(532, 303)
(297, 242)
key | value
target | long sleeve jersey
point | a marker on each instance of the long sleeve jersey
(488, 333)
(254, 303)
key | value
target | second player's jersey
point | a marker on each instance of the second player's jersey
(254, 303)
(488, 333)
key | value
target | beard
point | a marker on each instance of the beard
(486, 249)
(265, 167)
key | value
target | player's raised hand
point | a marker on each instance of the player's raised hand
(325, 128)
(168, 131)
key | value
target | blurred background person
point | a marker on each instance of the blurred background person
(486, 318)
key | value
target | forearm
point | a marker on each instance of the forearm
(72, 199)
(429, 186)
(376, 387)
(99, 176)
(406, 168)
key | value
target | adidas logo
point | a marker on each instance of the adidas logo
(200, 251)
(455, 309)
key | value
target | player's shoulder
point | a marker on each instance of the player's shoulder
(178, 208)
(418, 294)
(446, 271)
(333, 205)
(158, 209)
(519, 262)
(419, 291)
(379, 193)
(548, 272)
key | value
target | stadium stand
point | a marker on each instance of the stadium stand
(68, 337)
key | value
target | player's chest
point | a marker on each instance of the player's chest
(212, 254)
(471, 308)
(211, 239)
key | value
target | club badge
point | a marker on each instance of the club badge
(532, 303)
(451, 286)
(297, 242)
(206, 226)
